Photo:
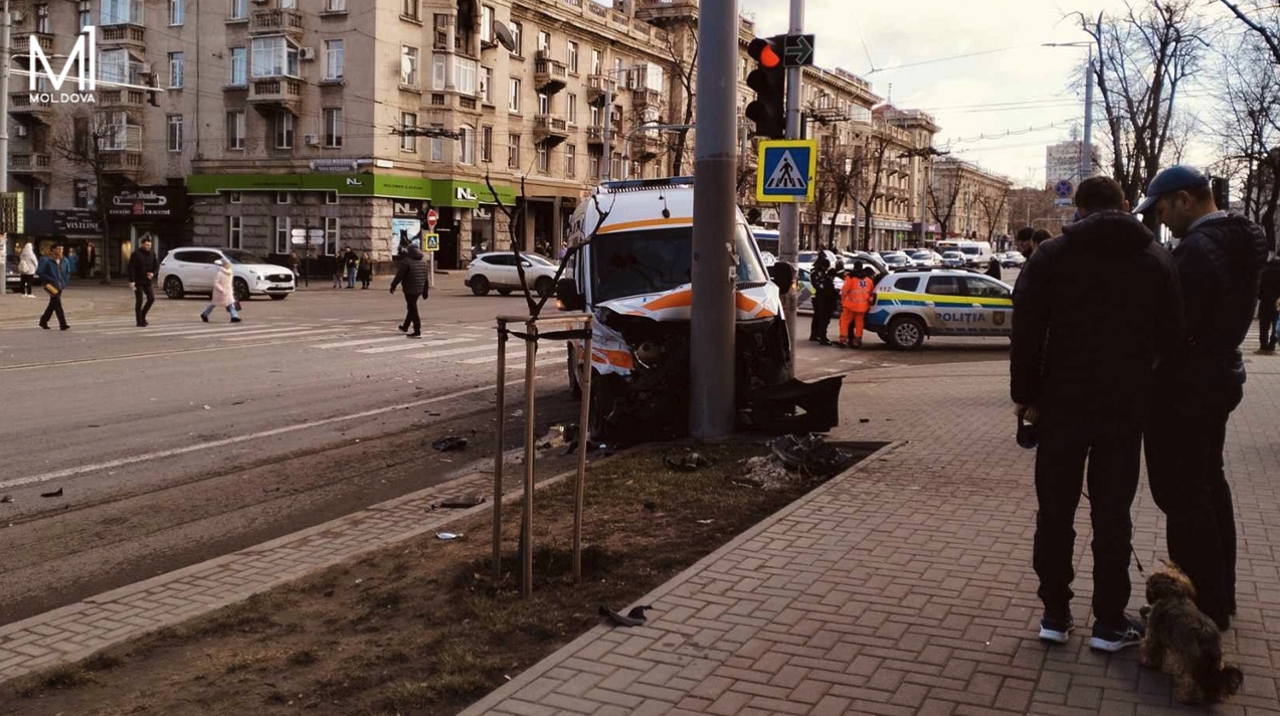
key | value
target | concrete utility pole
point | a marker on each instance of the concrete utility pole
(789, 214)
(6, 27)
(605, 171)
(1086, 156)
(714, 313)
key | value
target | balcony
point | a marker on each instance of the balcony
(549, 131)
(276, 94)
(645, 146)
(122, 99)
(21, 106)
(275, 21)
(645, 98)
(116, 36)
(597, 88)
(595, 135)
(22, 43)
(30, 163)
(121, 150)
(550, 76)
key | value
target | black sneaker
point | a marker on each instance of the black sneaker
(1056, 629)
(1113, 639)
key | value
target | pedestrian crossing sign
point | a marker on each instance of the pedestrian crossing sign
(433, 242)
(786, 169)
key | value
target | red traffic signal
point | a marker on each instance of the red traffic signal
(769, 80)
(765, 52)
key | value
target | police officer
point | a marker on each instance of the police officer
(822, 284)
(1218, 260)
(1082, 369)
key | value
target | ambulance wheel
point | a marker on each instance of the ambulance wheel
(906, 333)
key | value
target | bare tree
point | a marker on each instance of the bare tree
(1027, 205)
(992, 208)
(1143, 57)
(92, 146)
(942, 200)
(1263, 18)
(876, 146)
(1249, 126)
(685, 63)
(837, 172)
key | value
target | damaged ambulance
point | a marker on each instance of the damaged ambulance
(633, 273)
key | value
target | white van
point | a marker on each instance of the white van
(977, 254)
(635, 277)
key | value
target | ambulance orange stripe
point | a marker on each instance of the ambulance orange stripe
(680, 299)
(646, 223)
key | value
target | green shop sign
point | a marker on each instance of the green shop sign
(461, 194)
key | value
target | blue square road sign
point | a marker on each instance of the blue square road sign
(786, 169)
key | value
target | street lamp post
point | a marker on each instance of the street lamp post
(6, 27)
(606, 172)
(1086, 148)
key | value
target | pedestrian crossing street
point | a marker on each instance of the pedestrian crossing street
(467, 344)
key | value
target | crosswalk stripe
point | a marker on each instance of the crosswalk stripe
(513, 356)
(318, 332)
(220, 327)
(361, 342)
(414, 345)
(428, 352)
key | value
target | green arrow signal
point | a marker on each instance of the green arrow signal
(799, 50)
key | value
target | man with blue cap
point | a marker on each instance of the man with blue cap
(1218, 258)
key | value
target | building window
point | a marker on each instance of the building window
(235, 130)
(235, 232)
(440, 22)
(572, 113)
(570, 160)
(274, 57)
(486, 144)
(408, 125)
(594, 165)
(437, 148)
(573, 57)
(335, 6)
(597, 61)
(177, 11)
(595, 117)
(544, 104)
(282, 197)
(175, 133)
(486, 85)
(517, 34)
(239, 9)
(486, 23)
(409, 65)
(467, 146)
(333, 127)
(284, 232)
(410, 9)
(175, 70)
(119, 12)
(332, 234)
(544, 159)
(331, 198)
(239, 67)
(439, 72)
(514, 104)
(513, 151)
(284, 130)
(234, 197)
(544, 42)
(42, 18)
(335, 59)
(464, 76)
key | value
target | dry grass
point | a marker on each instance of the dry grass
(422, 628)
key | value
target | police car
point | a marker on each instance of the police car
(910, 305)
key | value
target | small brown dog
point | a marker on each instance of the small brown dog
(1185, 642)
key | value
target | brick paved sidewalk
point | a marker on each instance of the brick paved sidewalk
(905, 587)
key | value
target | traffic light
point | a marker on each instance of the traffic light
(769, 80)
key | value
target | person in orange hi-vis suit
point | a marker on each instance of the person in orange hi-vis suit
(855, 301)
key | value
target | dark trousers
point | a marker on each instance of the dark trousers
(823, 306)
(1267, 329)
(411, 317)
(24, 284)
(143, 291)
(1185, 440)
(1114, 457)
(55, 306)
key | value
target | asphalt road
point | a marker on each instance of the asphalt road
(183, 441)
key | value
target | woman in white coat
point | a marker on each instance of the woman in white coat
(223, 293)
(27, 264)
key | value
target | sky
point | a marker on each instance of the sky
(1019, 86)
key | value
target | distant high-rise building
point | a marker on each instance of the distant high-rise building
(1062, 161)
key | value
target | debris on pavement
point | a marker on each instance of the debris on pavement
(635, 617)
(811, 455)
(559, 435)
(447, 536)
(765, 472)
(690, 461)
(55, 493)
(458, 503)
(6, 499)
(450, 443)
(705, 522)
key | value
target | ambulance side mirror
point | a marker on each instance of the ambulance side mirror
(784, 275)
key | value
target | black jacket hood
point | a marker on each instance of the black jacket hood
(1109, 231)
(416, 253)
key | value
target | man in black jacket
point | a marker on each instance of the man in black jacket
(412, 276)
(822, 285)
(1097, 308)
(143, 267)
(1268, 295)
(1218, 260)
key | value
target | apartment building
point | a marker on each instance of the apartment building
(968, 201)
(1062, 161)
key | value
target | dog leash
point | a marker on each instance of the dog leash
(1132, 551)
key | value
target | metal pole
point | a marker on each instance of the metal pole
(606, 131)
(500, 451)
(926, 162)
(1086, 157)
(584, 419)
(530, 455)
(6, 26)
(788, 214)
(857, 204)
(715, 211)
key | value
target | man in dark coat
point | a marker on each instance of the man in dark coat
(143, 268)
(1082, 369)
(412, 277)
(1218, 259)
(822, 285)
(55, 282)
(1268, 296)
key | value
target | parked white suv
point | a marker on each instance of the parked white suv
(497, 270)
(192, 270)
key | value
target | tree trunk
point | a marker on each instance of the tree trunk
(831, 230)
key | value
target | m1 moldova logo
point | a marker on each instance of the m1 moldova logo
(83, 57)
